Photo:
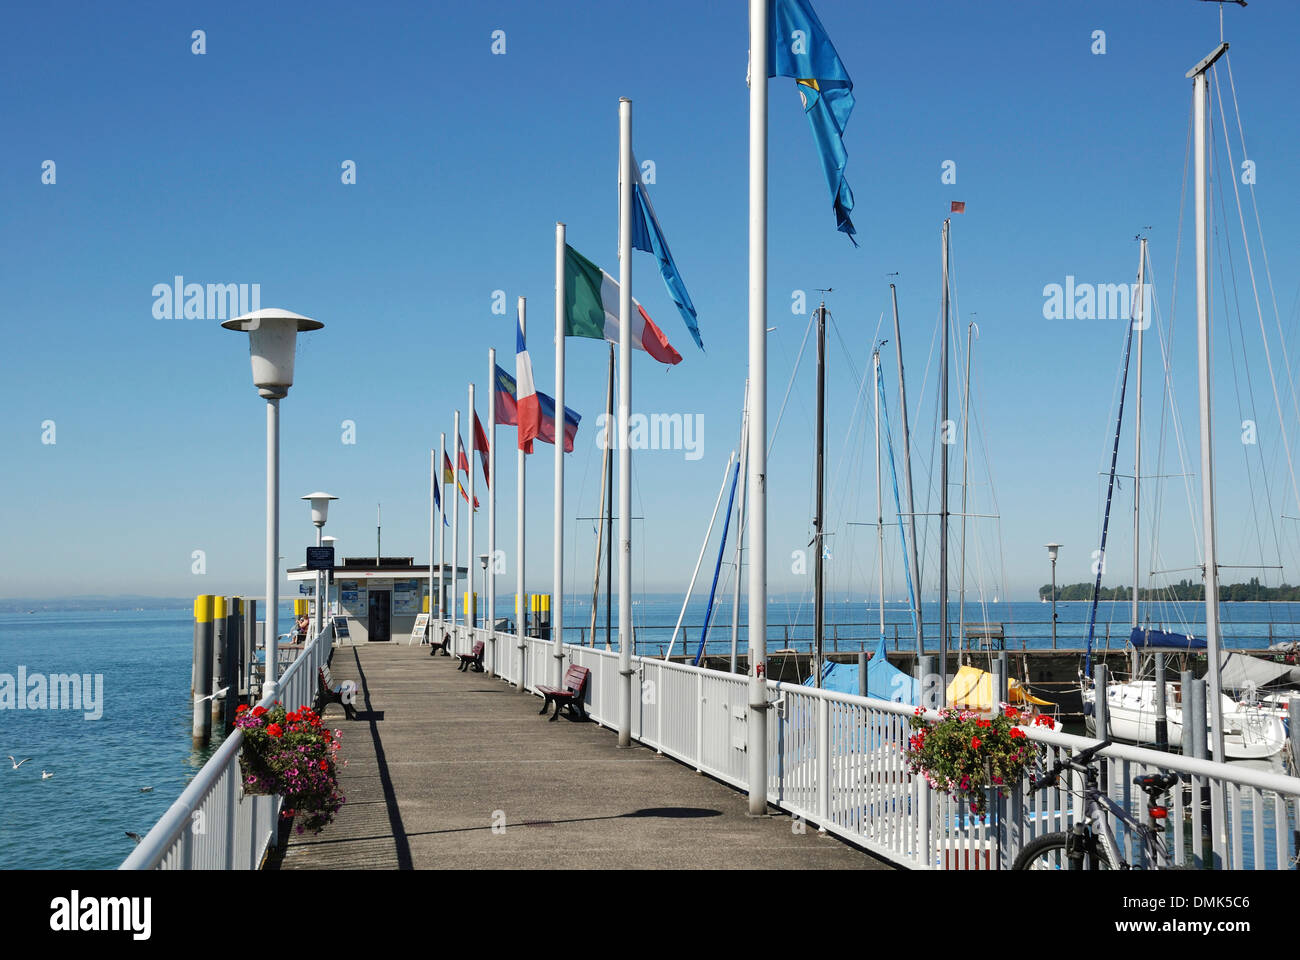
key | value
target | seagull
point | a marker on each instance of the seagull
(45, 775)
(18, 763)
(219, 693)
(134, 836)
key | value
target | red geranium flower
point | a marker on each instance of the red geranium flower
(974, 743)
(259, 710)
(241, 708)
(1017, 733)
(274, 730)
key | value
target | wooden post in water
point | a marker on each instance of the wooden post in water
(201, 685)
(220, 624)
(230, 675)
(1185, 687)
(249, 639)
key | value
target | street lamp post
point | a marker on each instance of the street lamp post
(320, 507)
(1051, 554)
(483, 562)
(272, 335)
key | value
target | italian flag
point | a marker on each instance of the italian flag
(591, 299)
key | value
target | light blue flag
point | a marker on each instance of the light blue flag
(647, 236)
(798, 47)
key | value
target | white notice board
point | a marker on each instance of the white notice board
(418, 631)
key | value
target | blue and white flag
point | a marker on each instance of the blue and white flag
(798, 47)
(648, 236)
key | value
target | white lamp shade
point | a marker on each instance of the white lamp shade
(1052, 548)
(272, 336)
(320, 507)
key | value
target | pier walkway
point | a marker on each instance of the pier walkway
(437, 758)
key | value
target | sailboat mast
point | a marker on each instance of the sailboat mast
(1200, 84)
(604, 489)
(907, 478)
(819, 605)
(965, 457)
(740, 529)
(1140, 323)
(943, 480)
(880, 514)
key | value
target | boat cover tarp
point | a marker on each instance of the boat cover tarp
(972, 689)
(1240, 670)
(884, 680)
(1163, 640)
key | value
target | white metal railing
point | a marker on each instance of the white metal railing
(213, 825)
(839, 761)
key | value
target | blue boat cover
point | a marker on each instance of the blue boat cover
(884, 680)
(1166, 641)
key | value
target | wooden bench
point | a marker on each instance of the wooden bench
(569, 695)
(444, 645)
(989, 636)
(472, 659)
(331, 692)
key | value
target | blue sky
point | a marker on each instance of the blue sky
(226, 168)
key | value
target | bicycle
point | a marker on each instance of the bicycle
(1090, 844)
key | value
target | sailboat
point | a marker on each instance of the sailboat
(1239, 729)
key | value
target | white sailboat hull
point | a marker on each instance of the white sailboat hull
(1249, 733)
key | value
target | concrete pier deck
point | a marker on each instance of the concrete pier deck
(450, 770)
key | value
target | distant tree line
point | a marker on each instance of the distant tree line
(1182, 590)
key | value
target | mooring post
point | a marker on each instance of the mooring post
(862, 673)
(249, 639)
(220, 625)
(1293, 713)
(1185, 689)
(1100, 710)
(231, 678)
(1003, 674)
(1162, 722)
(1194, 716)
(926, 676)
(202, 683)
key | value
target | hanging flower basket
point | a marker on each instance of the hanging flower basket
(292, 754)
(968, 754)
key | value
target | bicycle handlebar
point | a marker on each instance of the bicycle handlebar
(1079, 761)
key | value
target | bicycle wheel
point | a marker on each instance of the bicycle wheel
(1049, 852)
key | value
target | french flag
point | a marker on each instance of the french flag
(528, 410)
(508, 412)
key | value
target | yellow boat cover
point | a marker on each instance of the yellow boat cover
(972, 689)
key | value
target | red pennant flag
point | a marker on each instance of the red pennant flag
(959, 206)
(481, 445)
(461, 463)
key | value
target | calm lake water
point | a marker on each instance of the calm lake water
(79, 817)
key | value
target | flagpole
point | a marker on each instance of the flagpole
(521, 601)
(492, 512)
(455, 531)
(470, 558)
(433, 522)
(442, 534)
(557, 601)
(626, 638)
(757, 468)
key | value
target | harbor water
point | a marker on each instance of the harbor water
(119, 771)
